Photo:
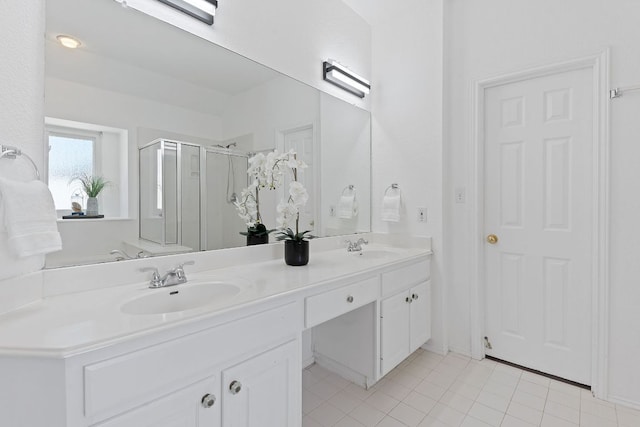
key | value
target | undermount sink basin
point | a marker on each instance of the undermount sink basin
(179, 298)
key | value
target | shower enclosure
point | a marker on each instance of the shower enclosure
(187, 193)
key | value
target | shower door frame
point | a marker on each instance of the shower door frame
(179, 144)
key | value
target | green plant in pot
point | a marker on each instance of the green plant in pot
(92, 185)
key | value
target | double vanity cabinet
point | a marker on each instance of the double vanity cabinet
(239, 364)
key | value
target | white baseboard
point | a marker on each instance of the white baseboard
(435, 348)
(343, 371)
(460, 351)
(624, 402)
(308, 362)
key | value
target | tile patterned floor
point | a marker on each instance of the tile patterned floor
(453, 391)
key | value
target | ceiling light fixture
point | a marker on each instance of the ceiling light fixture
(68, 41)
(204, 10)
(339, 75)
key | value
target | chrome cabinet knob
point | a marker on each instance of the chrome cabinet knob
(208, 400)
(350, 299)
(235, 387)
(408, 299)
(414, 296)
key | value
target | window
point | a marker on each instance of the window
(77, 148)
(71, 154)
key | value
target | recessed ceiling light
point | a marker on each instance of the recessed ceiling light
(68, 41)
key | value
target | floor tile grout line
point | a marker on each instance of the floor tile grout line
(452, 374)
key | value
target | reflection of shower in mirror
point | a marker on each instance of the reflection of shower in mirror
(232, 197)
(183, 207)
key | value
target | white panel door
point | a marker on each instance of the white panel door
(264, 390)
(538, 202)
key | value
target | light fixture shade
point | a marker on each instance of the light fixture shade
(204, 10)
(339, 75)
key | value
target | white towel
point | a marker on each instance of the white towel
(347, 207)
(14, 266)
(29, 218)
(391, 207)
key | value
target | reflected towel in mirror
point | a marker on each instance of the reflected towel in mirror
(29, 217)
(347, 207)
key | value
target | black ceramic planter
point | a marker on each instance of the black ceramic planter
(296, 252)
(257, 240)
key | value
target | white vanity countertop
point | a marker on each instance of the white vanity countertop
(63, 325)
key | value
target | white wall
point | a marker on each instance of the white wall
(345, 151)
(341, 130)
(290, 36)
(262, 112)
(407, 40)
(22, 83)
(487, 38)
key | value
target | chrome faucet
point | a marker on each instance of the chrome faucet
(175, 276)
(356, 246)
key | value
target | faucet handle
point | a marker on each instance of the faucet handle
(180, 267)
(179, 271)
(156, 280)
(362, 241)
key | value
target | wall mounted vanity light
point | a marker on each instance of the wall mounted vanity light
(204, 10)
(344, 78)
(68, 41)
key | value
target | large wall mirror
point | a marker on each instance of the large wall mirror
(170, 120)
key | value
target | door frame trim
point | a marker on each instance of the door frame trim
(599, 64)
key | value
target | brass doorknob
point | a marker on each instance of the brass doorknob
(492, 239)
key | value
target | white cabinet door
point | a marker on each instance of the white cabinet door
(195, 406)
(420, 315)
(264, 390)
(394, 331)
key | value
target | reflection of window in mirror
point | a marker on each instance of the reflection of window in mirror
(82, 148)
(71, 154)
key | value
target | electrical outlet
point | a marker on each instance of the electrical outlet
(461, 195)
(332, 210)
(422, 214)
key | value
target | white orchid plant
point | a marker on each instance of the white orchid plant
(289, 209)
(268, 172)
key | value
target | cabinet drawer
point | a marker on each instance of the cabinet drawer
(121, 383)
(325, 306)
(403, 278)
